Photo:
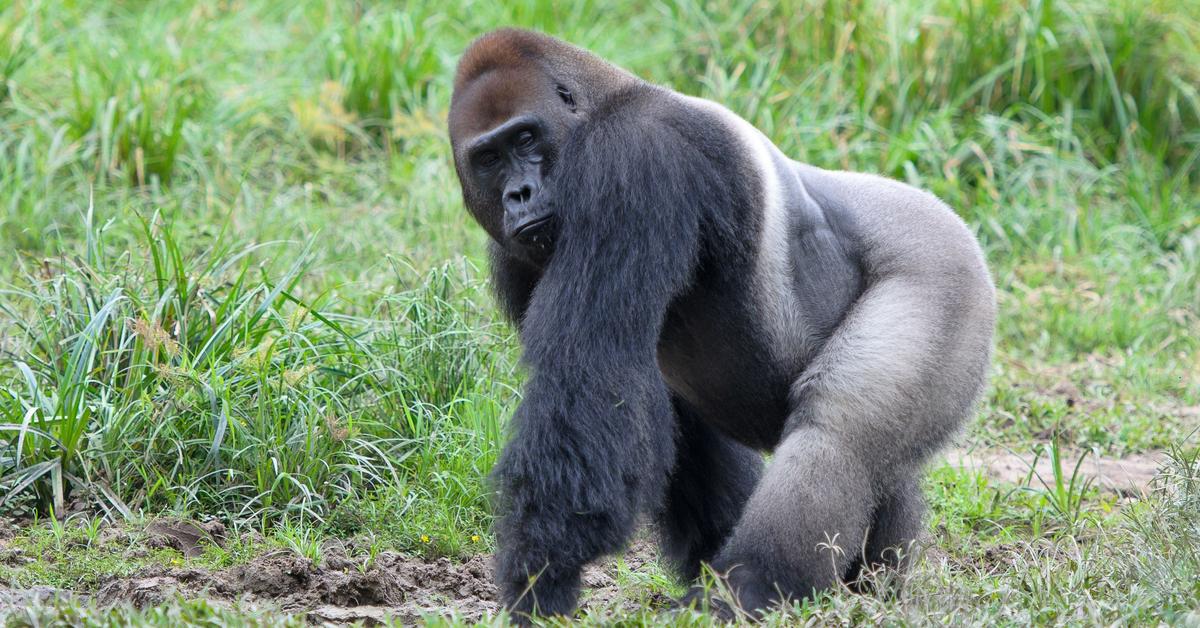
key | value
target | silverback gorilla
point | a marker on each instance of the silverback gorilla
(688, 297)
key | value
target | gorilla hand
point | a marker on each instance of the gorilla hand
(580, 467)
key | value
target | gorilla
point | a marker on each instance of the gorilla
(687, 298)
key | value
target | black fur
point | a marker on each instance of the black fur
(591, 447)
(513, 281)
(713, 477)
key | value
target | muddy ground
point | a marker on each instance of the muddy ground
(344, 587)
(339, 589)
(347, 587)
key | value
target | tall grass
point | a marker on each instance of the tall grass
(15, 48)
(237, 277)
(1119, 70)
(388, 63)
(204, 381)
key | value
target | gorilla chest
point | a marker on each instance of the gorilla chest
(714, 356)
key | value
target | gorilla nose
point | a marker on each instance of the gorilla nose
(520, 196)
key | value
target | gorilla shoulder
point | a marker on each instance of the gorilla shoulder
(896, 222)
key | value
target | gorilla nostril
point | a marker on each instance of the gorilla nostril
(522, 195)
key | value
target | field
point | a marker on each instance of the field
(250, 367)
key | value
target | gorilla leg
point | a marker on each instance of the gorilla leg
(712, 479)
(867, 410)
(896, 524)
(804, 525)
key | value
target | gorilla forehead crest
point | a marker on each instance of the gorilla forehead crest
(509, 70)
(687, 296)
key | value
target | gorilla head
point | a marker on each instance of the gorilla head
(517, 97)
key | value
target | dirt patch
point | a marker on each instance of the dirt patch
(345, 589)
(1127, 477)
(17, 599)
(344, 586)
(340, 589)
(186, 537)
(8, 529)
(603, 589)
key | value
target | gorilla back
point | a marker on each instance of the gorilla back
(687, 296)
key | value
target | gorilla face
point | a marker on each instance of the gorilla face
(506, 128)
(509, 165)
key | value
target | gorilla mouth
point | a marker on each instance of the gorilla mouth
(537, 233)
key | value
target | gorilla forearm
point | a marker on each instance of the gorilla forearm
(578, 470)
(586, 457)
(588, 452)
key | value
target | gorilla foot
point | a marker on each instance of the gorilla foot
(706, 600)
(740, 593)
(877, 580)
(543, 595)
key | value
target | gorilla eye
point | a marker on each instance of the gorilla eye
(565, 95)
(525, 139)
(488, 159)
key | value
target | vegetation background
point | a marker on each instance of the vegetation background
(237, 280)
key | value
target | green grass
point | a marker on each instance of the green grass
(236, 278)
(181, 613)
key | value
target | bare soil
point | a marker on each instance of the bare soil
(339, 589)
(1127, 477)
(346, 587)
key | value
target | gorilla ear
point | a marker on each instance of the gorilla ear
(565, 95)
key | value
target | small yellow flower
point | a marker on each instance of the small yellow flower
(474, 538)
(424, 538)
(326, 119)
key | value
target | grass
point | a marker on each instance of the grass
(237, 281)
(1136, 567)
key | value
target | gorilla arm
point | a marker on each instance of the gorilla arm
(588, 452)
